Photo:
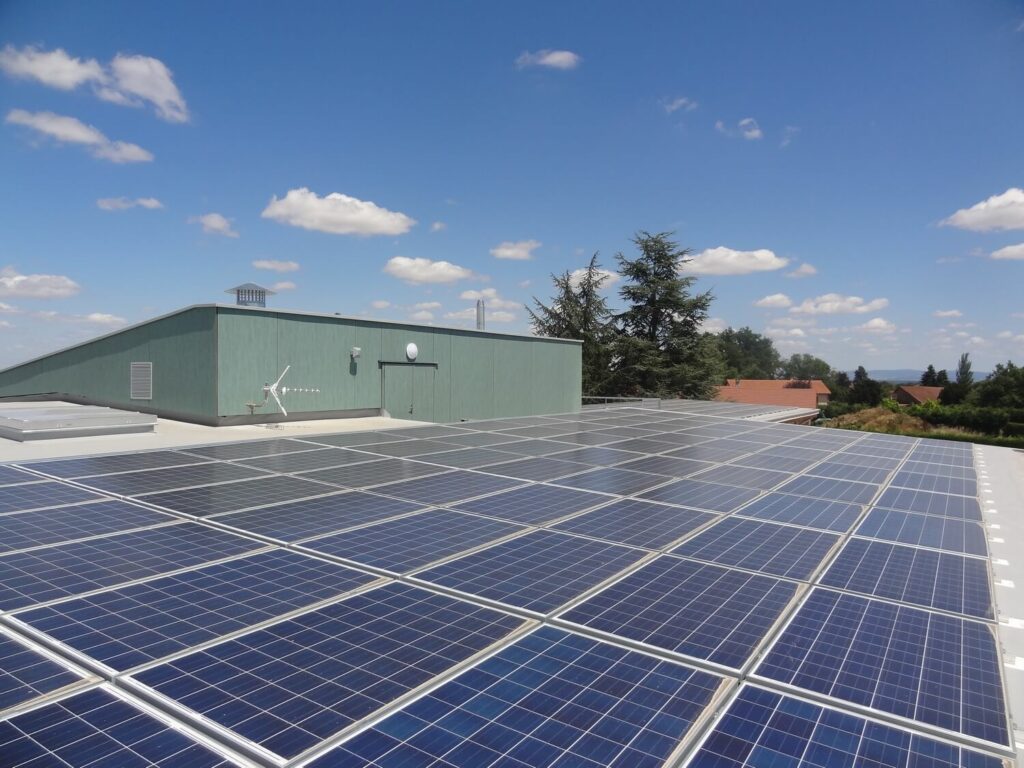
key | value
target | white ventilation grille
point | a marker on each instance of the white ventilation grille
(142, 381)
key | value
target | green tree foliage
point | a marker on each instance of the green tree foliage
(804, 366)
(659, 349)
(578, 310)
(941, 378)
(1004, 388)
(840, 386)
(865, 389)
(930, 378)
(748, 355)
(956, 392)
(964, 374)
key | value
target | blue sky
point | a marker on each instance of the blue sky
(396, 160)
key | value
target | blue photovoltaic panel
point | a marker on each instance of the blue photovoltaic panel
(121, 462)
(153, 480)
(801, 510)
(232, 497)
(467, 458)
(538, 468)
(938, 470)
(551, 699)
(761, 460)
(540, 571)
(712, 451)
(297, 520)
(762, 728)
(925, 531)
(22, 530)
(249, 449)
(781, 550)
(94, 729)
(597, 456)
(936, 669)
(936, 483)
(19, 498)
(434, 431)
(710, 496)
(304, 461)
(447, 488)
(63, 570)
(637, 523)
(745, 477)
(833, 490)
(534, 504)
(919, 576)
(407, 448)
(841, 471)
(347, 439)
(621, 482)
(26, 675)
(289, 686)
(702, 611)
(133, 625)
(665, 465)
(953, 458)
(410, 542)
(373, 473)
(925, 503)
(14, 476)
(539, 448)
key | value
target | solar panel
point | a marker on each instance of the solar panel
(39, 575)
(924, 468)
(430, 431)
(13, 476)
(804, 511)
(597, 456)
(346, 439)
(140, 623)
(232, 497)
(745, 477)
(710, 452)
(97, 728)
(297, 520)
(408, 448)
(551, 699)
(372, 473)
(637, 523)
(26, 675)
(911, 575)
(935, 669)
(925, 503)
(303, 461)
(22, 530)
(936, 483)
(154, 480)
(481, 439)
(841, 471)
(710, 496)
(621, 482)
(781, 550)
(943, 456)
(410, 542)
(536, 468)
(534, 504)
(249, 449)
(121, 462)
(666, 465)
(763, 728)
(447, 488)
(646, 445)
(536, 447)
(21, 498)
(467, 458)
(540, 571)
(826, 488)
(760, 460)
(702, 611)
(925, 530)
(289, 686)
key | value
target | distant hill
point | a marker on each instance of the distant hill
(909, 375)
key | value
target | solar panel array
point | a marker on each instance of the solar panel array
(684, 585)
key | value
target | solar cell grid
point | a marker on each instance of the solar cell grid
(26, 675)
(827, 488)
(121, 462)
(536, 468)
(407, 448)
(546, 430)
(20, 498)
(745, 477)
(63, 570)
(780, 463)
(950, 458)
(702, 611)
(170, 478)
(762, 728)
(710, 496)
(248, 449)
(925, 530)
(467, 458)
(536, 447)
(372, 473)
(643, 445)
(540, 571)
(597, 456)
(96, 728)
(551, 699)
(941, 580)
(447, 488)
(14, 476)
(876, 451)
(302, 461)
(935, 669)
(534, 504)
(432, 431)
(622, 482)
(22, 530)
(939, 470)
(666, 465)
(353, 439)
(935, 483)
(480, 439)
(637, 523)
(410, 542)
(591, 437)
(231, 497)
(926, 503)
(293, 684)
(863, 460)
(711, 451)
(124, 628)
(804, 511)
(841, 471)
(781, 550)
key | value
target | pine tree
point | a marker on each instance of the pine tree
(930, 378)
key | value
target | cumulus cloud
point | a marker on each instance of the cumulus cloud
(878, 325)
(56, 68)
(746, 128)
(548, 58)
(124, 203)
(999, 212)
(427, 305)
(336, 214)
(438, 226)
(727, 261)
(495, 316)
(837, 304)
(947, 313)
(380, 303)
(420, 270)
(12, 283)
(284, 285)
(518, 250)
(804, 270)
(102, 318)
(714, 325)
(610, 278)
(70, 130)
(776, 332)
(491, 298)
(215, 224)
(679, 103)
(1009, 252)
(276, 266)
(422, 316)
(774, 301)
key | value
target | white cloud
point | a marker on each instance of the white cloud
(714, 325)
(36, 286)
(336, 214)
(549, 58)
(276, 266)
(427, 305)
(461, 314)
(611, 278)
(56, 68)
(774, 301)
(727, 261)
(747, 128)
(420, 270)
(124, 203)
(947, 313)
(519, 250)
(215, 224)
(7, 309)
(878, 325)
(495, 316)
(284, 285)
(500, 316)
(1009, 252)
(438, 226)
(789, 133)
(804, 270)
(1005, 211)
(133, 80)
(797, 333)
(380, 304)
(422, 316)
(491, 299)
(837, 304)
(681, 102)
(1004, 335)
(69, 130)
(102, 318)
(794, 322)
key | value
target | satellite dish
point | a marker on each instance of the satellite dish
(411, 351)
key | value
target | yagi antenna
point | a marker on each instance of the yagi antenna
(276, 391)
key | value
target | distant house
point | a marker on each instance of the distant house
(794, 393)
(911, 394)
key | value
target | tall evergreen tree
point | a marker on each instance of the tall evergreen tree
(957, 391)
(865, 389)
(941, 378)
(930, 378)
(964, 374)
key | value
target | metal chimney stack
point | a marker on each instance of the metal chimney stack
(479, 314)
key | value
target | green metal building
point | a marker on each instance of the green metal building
(209, 363)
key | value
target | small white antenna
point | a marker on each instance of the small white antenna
(272, 390)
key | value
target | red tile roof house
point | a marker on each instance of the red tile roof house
(794, 393)
(909, 394)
